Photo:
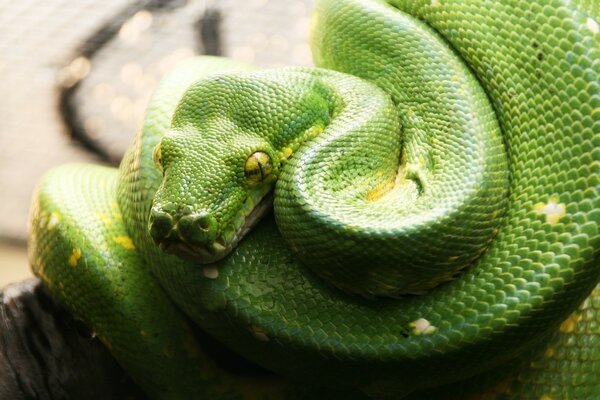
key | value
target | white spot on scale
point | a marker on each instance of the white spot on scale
(434, 3)
(211, 272)
(553, 210)
(422, 326)
(54, 218)
(592, 25)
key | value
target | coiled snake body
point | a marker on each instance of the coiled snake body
(436, 211)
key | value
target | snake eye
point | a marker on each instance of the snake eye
(258, 166)
(157, 157)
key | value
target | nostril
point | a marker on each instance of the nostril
(198, 229)
(203, 222)
(160, 224)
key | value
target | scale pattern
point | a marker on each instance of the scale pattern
(563, 367)
(538, 64)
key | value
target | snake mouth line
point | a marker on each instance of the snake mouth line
(221, 247)
(202, 254)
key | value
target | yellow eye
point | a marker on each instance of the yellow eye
(258, 166)
(157, 157)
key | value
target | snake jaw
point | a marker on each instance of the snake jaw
(192, 236)
(173, 236)
(202, 254)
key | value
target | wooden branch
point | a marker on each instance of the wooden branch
(46, 354)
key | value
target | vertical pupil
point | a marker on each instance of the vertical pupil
(258, 166)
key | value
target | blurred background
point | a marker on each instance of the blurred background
(76, 76)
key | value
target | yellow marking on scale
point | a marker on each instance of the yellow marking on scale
(383, 188)
(124, 241)
(314, 131)
(549, 353)
(553, 210)
(105, 219)
(570, 323)
(286, 153)
(546, 397)
(74, 258)
(422, 326)
(379, 191)
(116, 211)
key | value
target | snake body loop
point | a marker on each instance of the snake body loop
(446, 148)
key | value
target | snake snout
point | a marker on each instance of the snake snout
(192, 229)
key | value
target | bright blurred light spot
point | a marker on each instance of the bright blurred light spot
(130, 31)
(78, 69)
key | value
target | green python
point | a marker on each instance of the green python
(435, 214)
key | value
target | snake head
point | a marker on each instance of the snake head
(222, 155)
(213, 191)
